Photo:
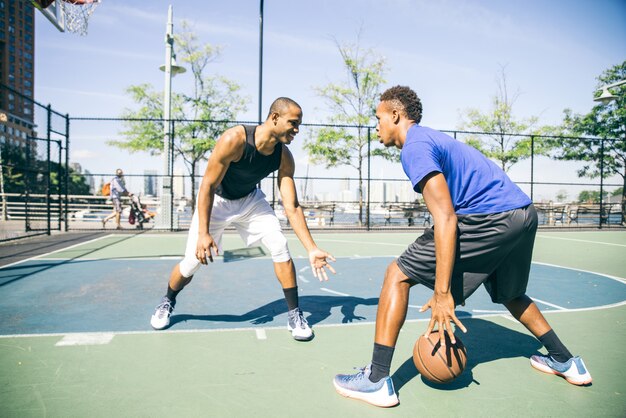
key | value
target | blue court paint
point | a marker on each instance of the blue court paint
(42, 296)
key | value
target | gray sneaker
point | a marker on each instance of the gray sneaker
(359, 386)
(300, 330)
(162, 313)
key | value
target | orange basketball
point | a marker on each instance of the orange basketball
(437, 364)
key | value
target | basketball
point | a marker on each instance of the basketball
(437, 364)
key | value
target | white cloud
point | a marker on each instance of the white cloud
(114, 11)
(84, 93)
(84, 154)
(98, 52)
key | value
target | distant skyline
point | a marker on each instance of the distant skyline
(449, 52)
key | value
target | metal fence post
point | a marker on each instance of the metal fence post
(601, 181)
(67, 170)
(48, 168)
(59, 184)
(27, 180)
(369, 177)
(532, 166)
(171, 173)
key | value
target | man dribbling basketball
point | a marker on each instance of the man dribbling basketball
(484, 234)
(228, 195)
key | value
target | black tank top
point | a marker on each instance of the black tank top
(242, 176)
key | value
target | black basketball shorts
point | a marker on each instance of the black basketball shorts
(493, 249)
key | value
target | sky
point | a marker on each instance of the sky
(448, 51)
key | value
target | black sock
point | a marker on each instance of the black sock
(291, 296)
(171, 294)
(381, 362)
(555, 347)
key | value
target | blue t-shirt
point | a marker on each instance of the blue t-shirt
(476, 184)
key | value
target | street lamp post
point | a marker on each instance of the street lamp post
(171, 69)
(607, 97)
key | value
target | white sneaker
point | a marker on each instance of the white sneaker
(161, 317)
(573, 370)
(300, 330)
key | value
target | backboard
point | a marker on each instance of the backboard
(68, 15)
(53, 11)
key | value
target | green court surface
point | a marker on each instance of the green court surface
(260, 371)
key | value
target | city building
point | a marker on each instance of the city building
(150, 182)
(89, 179)
(17, 44)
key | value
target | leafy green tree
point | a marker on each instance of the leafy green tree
(501, 141)
(590, 196)
(200, 117)
(561, 196)
(607, 123)
(352, 102)
(21, 173)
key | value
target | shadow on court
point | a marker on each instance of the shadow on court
(16, 251)
(485, 342)
(318, 308)
(29, 270)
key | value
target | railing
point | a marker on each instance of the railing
(33, 213)
(580, 214)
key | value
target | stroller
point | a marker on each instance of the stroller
(138, 213)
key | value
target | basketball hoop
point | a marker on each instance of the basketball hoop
(77, 13)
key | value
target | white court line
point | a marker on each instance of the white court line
(127, 258)
(219, 257)
(582, 240)
(489, 311)
(591, 308)
(301, 277)
(510, 318)
(619, 279)
(305, 268)
(415, 306)
(360, 242)
(351, 324)
(485, 315)
(549, 304)
(55, 251)
(85, 339)
(260, 334)
(333, 292)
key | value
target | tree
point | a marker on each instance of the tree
(501, 140)
(200, 117)
(353, 102)
(22, 172)
(590, 196)
(607, 124)
(561, 195)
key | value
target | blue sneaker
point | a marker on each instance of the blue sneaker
(573, 370)
(358, 386)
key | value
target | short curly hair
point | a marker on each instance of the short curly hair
(405, 100)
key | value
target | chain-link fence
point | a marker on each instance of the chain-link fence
(34, 180)
(40, 195)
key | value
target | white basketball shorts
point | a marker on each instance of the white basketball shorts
(252, 217)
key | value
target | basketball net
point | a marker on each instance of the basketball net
(77, 13)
